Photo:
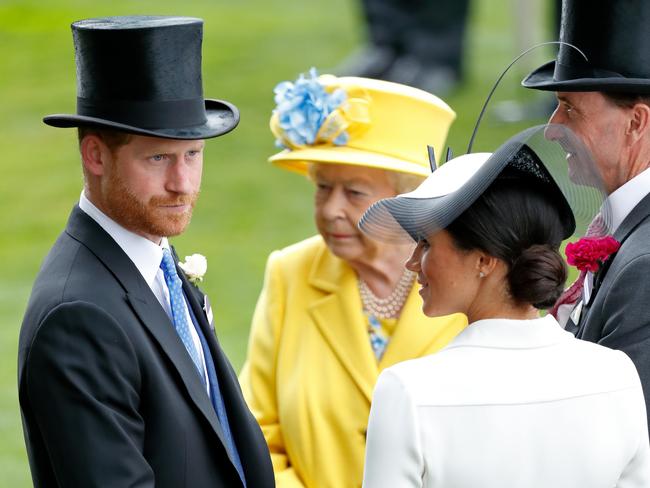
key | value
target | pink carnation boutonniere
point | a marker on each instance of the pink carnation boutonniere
(589, 253)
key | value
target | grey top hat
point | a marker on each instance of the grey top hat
(142, 75)
(614, 35)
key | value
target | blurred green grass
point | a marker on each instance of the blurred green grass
(247, 208)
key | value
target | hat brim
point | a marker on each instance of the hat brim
(549, 157)
(416, 214)
(542, 79)
(222, 117)
(297, 160)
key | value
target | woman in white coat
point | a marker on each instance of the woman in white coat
(513, 400)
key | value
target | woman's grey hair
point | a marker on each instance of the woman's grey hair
(401, 182)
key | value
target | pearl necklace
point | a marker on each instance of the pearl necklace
(391, 306)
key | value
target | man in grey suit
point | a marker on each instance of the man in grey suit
(122, 381)
(605, 100)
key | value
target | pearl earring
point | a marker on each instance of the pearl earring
(481, 274)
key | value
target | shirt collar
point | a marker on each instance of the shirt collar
(145, 254)
(512, 334)
(624, 199)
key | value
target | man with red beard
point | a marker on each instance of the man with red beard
(121, 379)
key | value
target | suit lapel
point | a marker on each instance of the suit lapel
(145, 305)
(600, 276)
(339, 319)
(156, 321)
(194, 298)
(237, 411)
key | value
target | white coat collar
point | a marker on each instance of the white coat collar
(512, 334)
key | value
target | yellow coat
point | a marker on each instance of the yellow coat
(311, 371)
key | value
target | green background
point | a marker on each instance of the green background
(247, 208)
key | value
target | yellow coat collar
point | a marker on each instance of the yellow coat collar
(339, 318)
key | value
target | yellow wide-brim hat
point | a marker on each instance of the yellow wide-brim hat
(376, 124)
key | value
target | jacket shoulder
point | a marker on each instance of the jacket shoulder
(69, 273)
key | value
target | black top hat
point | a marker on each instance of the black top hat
(142, 74)
(614, 35)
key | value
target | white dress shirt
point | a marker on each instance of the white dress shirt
(628, 196)
(147, 257)
(510, 404)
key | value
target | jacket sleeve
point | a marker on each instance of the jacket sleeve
(393, 452)
(626, 317)
(259, 374)
(83, 382)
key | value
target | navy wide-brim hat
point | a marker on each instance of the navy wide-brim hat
(142, 75)
(549, 157)
(613, 35)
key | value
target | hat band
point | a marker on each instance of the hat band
(565, 72)
(169, 114)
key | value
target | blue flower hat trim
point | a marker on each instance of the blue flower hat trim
(307, 114)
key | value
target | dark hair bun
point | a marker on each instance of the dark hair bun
(537, 276)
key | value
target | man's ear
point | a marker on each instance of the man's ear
(94, 154)
(638, 125)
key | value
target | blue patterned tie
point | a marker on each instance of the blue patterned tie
(179, 310)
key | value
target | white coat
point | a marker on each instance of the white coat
(510, 403)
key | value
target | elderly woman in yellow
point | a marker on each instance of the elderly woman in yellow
(338, 308)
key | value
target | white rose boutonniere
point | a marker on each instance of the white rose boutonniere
(194, 267)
